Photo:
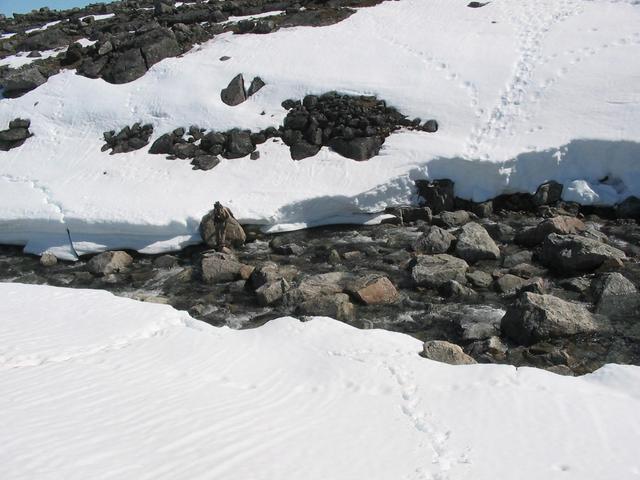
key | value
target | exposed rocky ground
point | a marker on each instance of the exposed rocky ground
(140, 33)
(551, 285)
(15, 135)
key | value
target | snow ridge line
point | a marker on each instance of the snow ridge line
(39, 188)
(77, 353)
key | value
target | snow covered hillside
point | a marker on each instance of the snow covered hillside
(524, 91)
(96, 386)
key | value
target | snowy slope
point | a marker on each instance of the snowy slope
(95, 386)
(524, 91)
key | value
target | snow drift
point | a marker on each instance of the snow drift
(96, 386)
(524, 92)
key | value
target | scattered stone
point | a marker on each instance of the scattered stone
(562, 225)
(454, 219)
(128, 139)
(335, 306)
(219, 267)
(474, 244)
(479, 279)
(523, 256)
(434, 240)
(614, 294)
(432, 271)
(239, 144)
(446, 352)
(455, 290)
(359, 149)
(15, 136)
(573, 253)
(478, 322)
(374, 290)
(166, 261)
(256, 84)
(109, 262)
(534, 318)
(235, 92)
(19, 82)
(509, 283)
(48, 259)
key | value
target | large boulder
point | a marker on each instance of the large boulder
(615, 295)
(219, 267)
(433, 271)
(374, 290)
(234, 233)
(270, 293)
(235, 93)
(573, 253)
(336, 306)
(446, 352)
(534, 318)
(474, 243)
(239, 144)
(109, 262)
(562, 225)
(124, 67)
(158, 44)
(324, 284)
(434, 240)
(548, 193)
(22, 81)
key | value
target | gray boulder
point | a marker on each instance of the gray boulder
(534, 318)
(336, 306)
(453, 219)
(437, 194)
(446, 352)
(109, 262)
(615, 295)
(573, 253)
(434, 240)
(270, 293)
(124, 67)
(235, 92)
(48, 259)
(22, 81)
(548, 193)
(219, 267)
(474, 243)
(239, 144)
(562, 225)
(256, 84)
(433, 271)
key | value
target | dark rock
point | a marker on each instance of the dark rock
(455, 290)
(163, 145)
(19, 123)
(629, 208)
(615, 295)
(256, 84)
(19, 82)
(157, 45)
(562, 225)
(303, 149)
(534, 318)
(206, 162)
(234, 233)
(124, 67)
(438, 195)
(479, 279)
(477, 4)
(238, 144)
(573, 253)
(374, 290)
(523, 256)
(254, 155)
(548, 193)
(430, 126)
(362, 148)
(166, 261)
(235, 92)
(509, 283)
(457, 218)
(336, 306)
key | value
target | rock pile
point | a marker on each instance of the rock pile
(236, 93)
(15, 135)
(128, 139)
(354, 126)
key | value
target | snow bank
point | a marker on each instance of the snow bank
(96, 386)
(524, 92)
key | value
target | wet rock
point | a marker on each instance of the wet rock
(434, 240)
(319, 285)
(455, 290)
(267, 272)
(491, 347)
(48, 259)
(523, 256)
(432, 271)
(219, 267)
(235, 92)
(287, 249)
(109, 262)
(374, 290)
(446, 352)
(438, 195)
(270, 293)
(21, 81)
(474, 244)
(336, 306)
(573, 253)
(534, 318)
(234, 233)
(166, 261)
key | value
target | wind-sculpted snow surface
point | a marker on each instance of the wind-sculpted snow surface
(523, 92)
(96, 386)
